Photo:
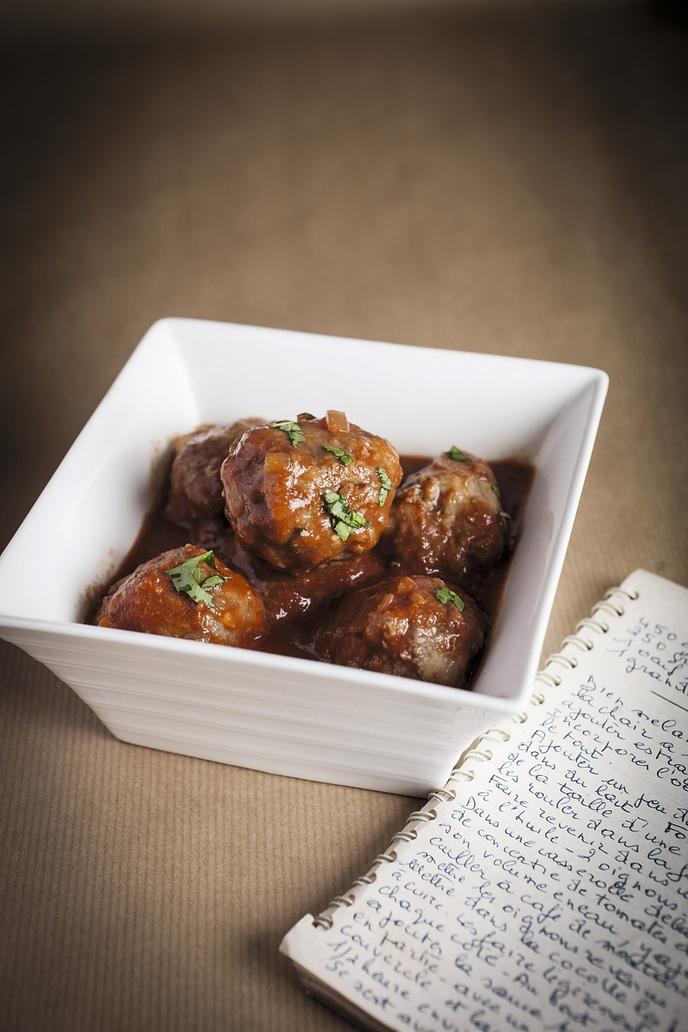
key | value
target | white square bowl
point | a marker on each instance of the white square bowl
(274, 713)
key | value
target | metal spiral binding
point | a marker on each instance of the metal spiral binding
(612, 604)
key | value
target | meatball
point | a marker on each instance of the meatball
(290, 595)
(186, 593)
(195, 487)
(408, 626)
(447, 518)
(299, 493)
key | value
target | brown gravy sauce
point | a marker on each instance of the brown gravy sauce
(293, 636)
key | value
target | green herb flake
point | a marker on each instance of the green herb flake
(344, 520)
(291, 429)
(306, 415)
(504, 515)
(339, 454)
(457, 455)
(213, 582)
(186, 578)
(445, 595)
(342, 530)
(495, 488)
(385, 485)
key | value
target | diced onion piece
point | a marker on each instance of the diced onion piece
(336, 422)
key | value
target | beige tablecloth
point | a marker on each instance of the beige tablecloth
(510, 181)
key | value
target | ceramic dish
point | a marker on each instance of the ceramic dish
(275, 713)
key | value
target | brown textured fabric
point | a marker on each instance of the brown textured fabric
(508, 182)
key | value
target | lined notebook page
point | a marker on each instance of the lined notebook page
(552, 892)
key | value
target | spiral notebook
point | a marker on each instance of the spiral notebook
(545, 886)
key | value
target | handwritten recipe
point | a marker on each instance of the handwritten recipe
(552, 891)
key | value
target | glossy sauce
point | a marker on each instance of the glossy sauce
(297, 603)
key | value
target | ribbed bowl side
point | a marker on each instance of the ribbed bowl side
(304, 726)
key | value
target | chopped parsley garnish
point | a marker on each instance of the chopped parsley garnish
(457, 455)
(445, 595)
(495, 488)
(214, 581)
(187, 578)
(344, 520)
(339, 453)
(306, 415)
(385, 485)
(291, 429)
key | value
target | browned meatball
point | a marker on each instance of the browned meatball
(186, 593)
(289, 595)
(299, 493)
(195, 487)
(447, 518)
(408, 626)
